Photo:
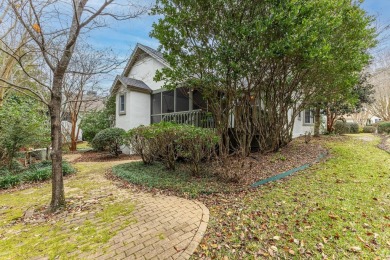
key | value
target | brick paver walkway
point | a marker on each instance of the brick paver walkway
(160, 227)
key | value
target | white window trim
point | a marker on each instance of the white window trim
(122, 112)
(311, 117)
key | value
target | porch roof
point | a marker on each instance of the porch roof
(132, 84)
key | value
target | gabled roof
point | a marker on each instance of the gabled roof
(133, 84)
(140, 48)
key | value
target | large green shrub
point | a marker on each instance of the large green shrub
(169, 141)
(23, 123)
(109, 139)
(195, 145)
(384, 127)
(92, 123)
(340, 127)
(353, 128)
(369, 129)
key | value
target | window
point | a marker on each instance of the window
(122, 104)
(309, 117)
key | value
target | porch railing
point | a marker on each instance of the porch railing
(197, 118)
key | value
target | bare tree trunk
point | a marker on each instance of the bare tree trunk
(317, 121)
(73, 133)
(58, 195)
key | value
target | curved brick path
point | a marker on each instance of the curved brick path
(166, 227)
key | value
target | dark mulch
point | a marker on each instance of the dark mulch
(261, 166)
(384, 144)
(236, 175)
(93, 156)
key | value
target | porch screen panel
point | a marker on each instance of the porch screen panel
(168, 101)
(182, 100)
(198, 101)
(156, 104)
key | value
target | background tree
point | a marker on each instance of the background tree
(55, 28)
(262, 62)
(381, 81)
(82, 91)
(95, 121)
(16, 132)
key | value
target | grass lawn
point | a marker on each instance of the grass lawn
(93, 204)
(337, 209)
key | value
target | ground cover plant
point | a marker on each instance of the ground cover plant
(34, 173)
(179, 182)
(28, 231)
(336, 209)
(218, 176)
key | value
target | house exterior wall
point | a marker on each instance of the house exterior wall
(137, 109)
(145, 69)
(300, 127)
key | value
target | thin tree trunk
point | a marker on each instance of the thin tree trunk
(58, 195)
(317, 121)
(73, 133)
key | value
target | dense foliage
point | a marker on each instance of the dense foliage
(384, 127)
(109, 139)
(260, 59)
(24, 124)
(35, 173)
(169, 141)
(369, 129)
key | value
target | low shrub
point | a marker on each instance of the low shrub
(340, 127)
(40, 174)
(67, 169)
(9, 181)
(353, 128)
(143, 141)
(109, 139)
(4, 171)
(168, 141)
(196, 144)
(384, 128)
(369, 129)
(35, 173)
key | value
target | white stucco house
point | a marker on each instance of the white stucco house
(142, 101)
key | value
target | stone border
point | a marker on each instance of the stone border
(187, 253)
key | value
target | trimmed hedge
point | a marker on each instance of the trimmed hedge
(109, 139)
(353, 128)
(341, 127)
(169, 141)
(384, 128)
(369, 129)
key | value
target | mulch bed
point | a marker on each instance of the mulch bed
(261, 166)
(237, 175)
(384, 144)
(92, 156)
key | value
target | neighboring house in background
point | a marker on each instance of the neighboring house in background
(141, 100)
(373, 120)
